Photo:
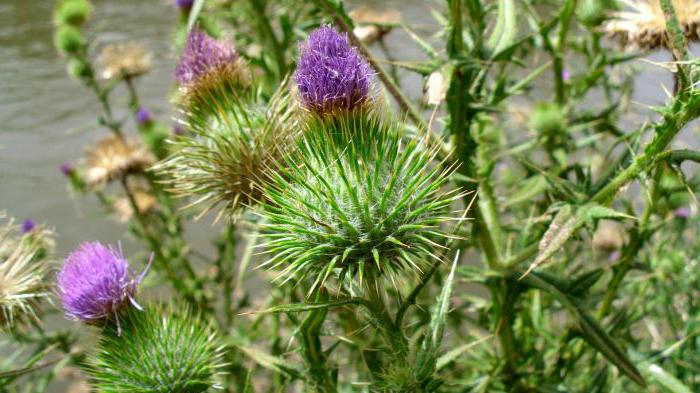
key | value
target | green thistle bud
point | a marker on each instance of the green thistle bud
(69, 39)
(79, 68)
(592, 13)
(160, 349)
(356, 200)
(72, 12)
(235, 137)
(548, 120)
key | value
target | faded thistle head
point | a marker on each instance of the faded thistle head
(331, 74)
(161, 349)
(114, 157)
(22, 271)
(208, 68)
(124, 60)
(95, 283)
(223, 160)
(356, 201)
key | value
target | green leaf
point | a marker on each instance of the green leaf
(194, 13)
(504, 32)
(668, 381)
(591, 331)
(300, 307)
(270, 362)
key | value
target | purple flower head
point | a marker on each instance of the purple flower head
(178, 129)
(66, 169)
(331, 74)
(28, 225)
(201, 55)
(184, 5)
(143, 116)
(95, 283)
(566, 75)
(682, 212)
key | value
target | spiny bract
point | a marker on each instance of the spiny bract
(356, 199)
(162, 349)
(22, 272)
(232, 144)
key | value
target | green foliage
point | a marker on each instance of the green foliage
(160, 349)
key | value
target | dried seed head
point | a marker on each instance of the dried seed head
(124, 60)
(22, 272)
(113, 158)
(643, 24)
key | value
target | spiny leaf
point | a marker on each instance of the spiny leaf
(301, 307)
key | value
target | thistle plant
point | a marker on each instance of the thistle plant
(521, 228)
(160, 349)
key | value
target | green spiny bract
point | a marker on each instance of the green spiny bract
(356, 199)
(160, 349)
(234, 139)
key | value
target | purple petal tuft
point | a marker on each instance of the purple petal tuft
(28, 225)
(95, 283)
(143, 116)
(201, 55)
(184, 4)
(331, 74)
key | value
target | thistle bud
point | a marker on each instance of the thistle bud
(69, 39)
(372, 208)
(184, 5)
(79, 68)
(548, 120)
(124, 60)
(161, 349)
(72, 12)
(143, 116)
(331, 74)
(208, 69)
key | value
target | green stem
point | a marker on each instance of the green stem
(269, 36)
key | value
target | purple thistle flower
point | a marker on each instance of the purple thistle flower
(178, 129)
(201, 55)
(66, 169)
(566, 75)
(143, 116)
(95, 283)
(682, 212)
(331, 74)
(28, 225)
(184, 5)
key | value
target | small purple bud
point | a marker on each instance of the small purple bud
(615, 256)
(66, 169)
(682, 212)
(201, 55)
(28, 225)
(143, 116)
(95, 283)
(566, 75)
(331, 74)
(184, 5)
(178, 129)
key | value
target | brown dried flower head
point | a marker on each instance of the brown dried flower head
(113, 158)
(642, 24)
(124, 60)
